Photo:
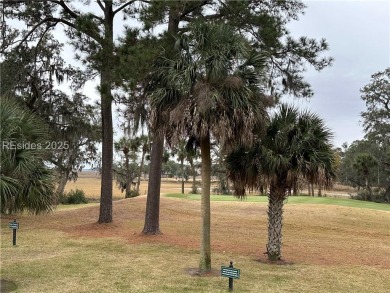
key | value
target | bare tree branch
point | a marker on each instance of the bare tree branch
(59, 20)
(47, 19)
(190, 8)
(41, 38)
(72, 13)
(66, 8)
(123, 6)
(101, 5)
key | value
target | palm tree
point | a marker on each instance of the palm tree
(363, 163)
(180, 151)
(192, 154)
(25, 182)
(211, 92)
(295, 145)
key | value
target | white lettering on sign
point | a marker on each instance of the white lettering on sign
(230, 272)
(13, 225)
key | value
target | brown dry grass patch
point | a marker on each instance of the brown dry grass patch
(313, 234)
(90, 183)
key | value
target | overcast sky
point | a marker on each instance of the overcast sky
(358, 34)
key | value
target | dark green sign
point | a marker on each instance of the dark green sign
(13, 225)
(230, 272)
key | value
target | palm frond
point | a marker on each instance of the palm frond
(294, 145)
(21, 161)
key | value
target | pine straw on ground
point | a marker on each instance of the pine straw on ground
(312, 234)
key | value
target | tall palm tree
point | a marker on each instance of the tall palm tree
(192, 154)
(211, 92)
(25, 182)
(125, 171)
(179, 150)
(295, 145)
(363, 164)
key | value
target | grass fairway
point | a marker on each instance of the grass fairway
(293, 200)
(327, 248)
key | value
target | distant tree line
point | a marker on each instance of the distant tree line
(365, 164)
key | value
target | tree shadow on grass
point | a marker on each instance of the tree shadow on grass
(279, 262)
(7, 286)
(195, 272)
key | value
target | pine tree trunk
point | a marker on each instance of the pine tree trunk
(275, 222)
(105, 215)
(205, 250)
(152, 215)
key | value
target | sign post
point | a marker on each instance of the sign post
(231, 273)
(14, 226)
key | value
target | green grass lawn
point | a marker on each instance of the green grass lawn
(48, 261)
(51, 257)
(293, 200)
(66, 207)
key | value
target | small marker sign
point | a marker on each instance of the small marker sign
(14, 226)
(231, 273)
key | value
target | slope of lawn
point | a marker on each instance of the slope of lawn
(327, 248)
(292, 200)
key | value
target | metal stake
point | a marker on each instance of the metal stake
(231, 279)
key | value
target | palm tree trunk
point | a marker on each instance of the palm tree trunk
(205, 250)
(182, 175)
(141, 167)
(368, 188)
(193, 176)
(152, 215)
(227, 185)
(319, 190)
(295, 188)
(275, 222)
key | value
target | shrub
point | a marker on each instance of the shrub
(195, 189)
(132, 193)
(74, 197)
(375, 195)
